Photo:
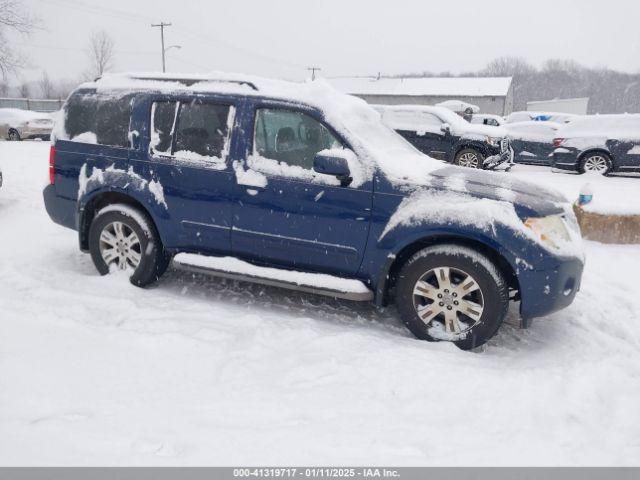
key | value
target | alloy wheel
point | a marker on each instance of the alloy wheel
(468, 159)
(448, 296)
(120, 246)
(596, 164)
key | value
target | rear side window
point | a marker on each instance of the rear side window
(101, 119)
(192, 131)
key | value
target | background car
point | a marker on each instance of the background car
(16, 124)
(532, 142)
(599, 143)
(442, 134)
(526, 116)
(487, 119)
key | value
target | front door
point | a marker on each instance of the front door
(287, 214)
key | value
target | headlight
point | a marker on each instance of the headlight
(551, 231)
(493, 141)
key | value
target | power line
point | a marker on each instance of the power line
(313, 71)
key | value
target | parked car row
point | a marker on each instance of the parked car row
(16, 124)
(445, 135)
(582, 143)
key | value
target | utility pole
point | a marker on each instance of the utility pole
(162, 25)
(313, 71)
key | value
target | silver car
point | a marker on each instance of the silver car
(16, 124)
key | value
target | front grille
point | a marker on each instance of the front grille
(504, 144)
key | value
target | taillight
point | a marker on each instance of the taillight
(52, 173)
(557, 142)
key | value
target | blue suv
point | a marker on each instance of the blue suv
(298, 186)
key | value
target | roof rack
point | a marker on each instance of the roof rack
(192, 81)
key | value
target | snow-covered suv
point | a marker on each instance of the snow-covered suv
(296, 185)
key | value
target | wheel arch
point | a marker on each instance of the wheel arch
(601, 150)
(99, 200)
(472, 144)
(387, 279)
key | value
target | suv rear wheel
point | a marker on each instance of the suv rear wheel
(123, 238)
(452, 293)
(469, 157)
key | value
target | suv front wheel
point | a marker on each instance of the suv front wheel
(452, 293)
(123, 238)
(469, 157)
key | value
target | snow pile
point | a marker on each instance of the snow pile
(233, 265)
(611, 195)
(249, 177)
(112, 176)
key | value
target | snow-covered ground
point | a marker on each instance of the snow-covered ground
(614, 194)
(201, 371)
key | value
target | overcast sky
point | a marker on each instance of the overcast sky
(282, 37)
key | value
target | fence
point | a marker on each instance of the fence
(37, 105)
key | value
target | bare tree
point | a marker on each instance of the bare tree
(47, 89)
(13, 16)
(24, 90)
(100, 53)
(509, 66)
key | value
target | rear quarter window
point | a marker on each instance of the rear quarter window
(101, 119)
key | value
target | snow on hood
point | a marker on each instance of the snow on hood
(530, 199)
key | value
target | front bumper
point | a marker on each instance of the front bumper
(546, 291)
(503, 160)
(61, 210)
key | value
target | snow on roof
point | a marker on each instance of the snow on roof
(428, 86)
(350, 116)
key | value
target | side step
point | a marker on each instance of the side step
(235, 269)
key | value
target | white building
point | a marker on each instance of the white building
(491, 94)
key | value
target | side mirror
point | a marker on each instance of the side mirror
(445, 128)
(331, 164)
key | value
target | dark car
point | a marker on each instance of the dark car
(599, 144)
(442, 134)
(532, 141)
(298, 186)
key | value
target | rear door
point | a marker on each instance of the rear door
(286, 213)
(185, 147)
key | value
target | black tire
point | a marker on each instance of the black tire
(460, 158)
(14, 136)
(153, 259)
(493, 292)
(591, 156)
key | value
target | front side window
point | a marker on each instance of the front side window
(291, 137)
(191, 131)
